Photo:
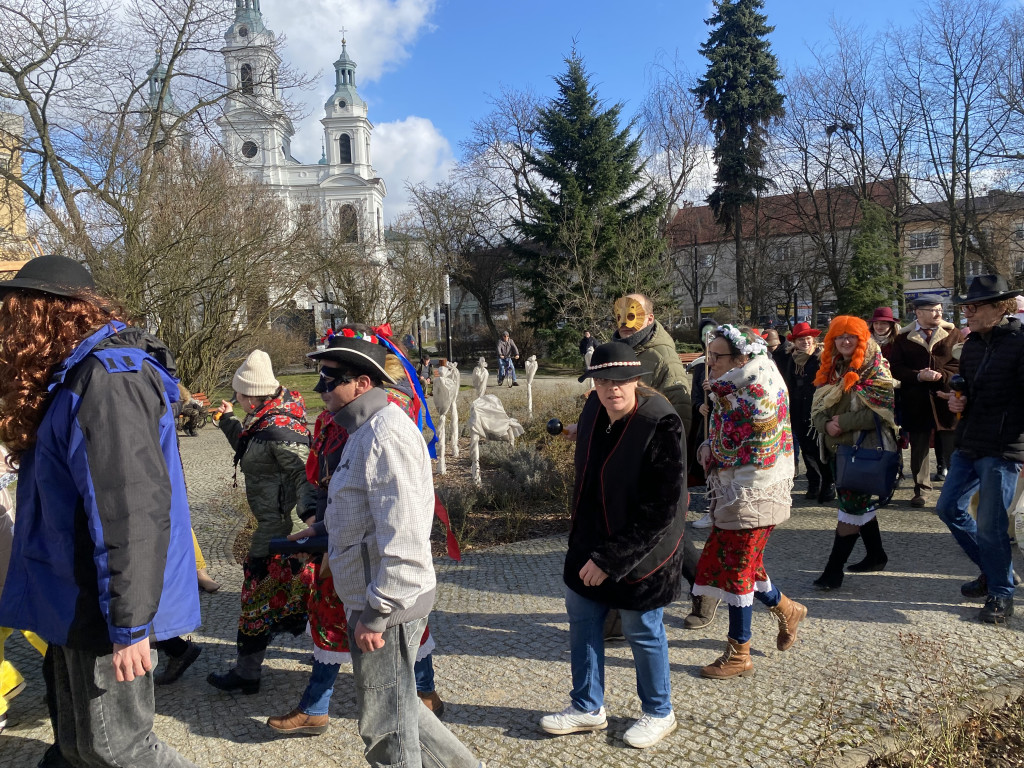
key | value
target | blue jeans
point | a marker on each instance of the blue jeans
(394, 725)
(740, 616)
(505, 368)
(986, 541)
(316, 700)
(645, 633)
(98, 721)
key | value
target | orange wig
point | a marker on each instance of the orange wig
(840, 326)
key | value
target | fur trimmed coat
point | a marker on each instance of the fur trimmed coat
(922, 409)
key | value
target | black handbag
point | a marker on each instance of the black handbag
(867, 470)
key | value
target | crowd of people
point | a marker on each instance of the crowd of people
(103, 558)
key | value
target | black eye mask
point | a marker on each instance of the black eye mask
(329, 379)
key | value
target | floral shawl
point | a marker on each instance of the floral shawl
(750, 437)
(874, 388)
(282, 418)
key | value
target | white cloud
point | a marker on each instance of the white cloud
(410, 150)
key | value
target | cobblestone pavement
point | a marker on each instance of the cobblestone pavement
(886, 640)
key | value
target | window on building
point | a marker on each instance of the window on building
(247, 85)
(786, 252)
(707, 260)
(1018, 266)
(348, 224)
(1018, 231)
(975, 268)
(345, 146)
(711, 288)
(924, 271)
(920, 240)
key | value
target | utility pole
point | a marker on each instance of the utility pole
(448, 314)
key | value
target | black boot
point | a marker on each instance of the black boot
(827, 493)
(832, 577)
(876, 557)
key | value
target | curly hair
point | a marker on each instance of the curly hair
(840, 326)
(37, 332)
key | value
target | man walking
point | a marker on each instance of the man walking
(921, 358)
(379, 513)
(636, 327)
(102, 550)
(507, 352)
(989, 442)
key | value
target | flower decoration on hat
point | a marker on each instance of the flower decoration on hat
(740, 341)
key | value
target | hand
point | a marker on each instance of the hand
(833, 428)
(516, 357)
(305, 533)
(704, 456)
(706, 385)
(957, 403)
(131, 661)
(927, 374)
(367, 641)
(704, 410)
(592, 575)
(225, 407)
(570, 432)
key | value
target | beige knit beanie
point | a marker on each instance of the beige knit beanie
(255, 377)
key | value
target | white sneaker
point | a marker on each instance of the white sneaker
(649, 730)
(571, 720)
(703, 522)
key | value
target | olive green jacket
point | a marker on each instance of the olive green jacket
(670, 377)
(852, 421)
(275, 482)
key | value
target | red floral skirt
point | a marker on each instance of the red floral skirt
(275, 600)
(732, 565)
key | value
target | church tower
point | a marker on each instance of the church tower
(255, 129)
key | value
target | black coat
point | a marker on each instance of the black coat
(626, 516)
(993, 365)
(801, 392)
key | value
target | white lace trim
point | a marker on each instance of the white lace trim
(739, 601)
(858, 520)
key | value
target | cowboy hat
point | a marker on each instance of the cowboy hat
(986, 289)
(616, 361)
(802, 329)
(357, 352)
(57, 275)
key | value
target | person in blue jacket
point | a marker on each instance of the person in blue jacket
(102, 556)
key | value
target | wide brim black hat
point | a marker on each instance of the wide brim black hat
(357, 354)
(985, 289)
(57, 275)
(615, 361)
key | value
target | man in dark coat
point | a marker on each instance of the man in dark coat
(922, 360)
(989, 442)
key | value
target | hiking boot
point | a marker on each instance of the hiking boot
(649, 730)
(703, 612)
(571, 720)
(432, 702)
(979, 587)
(735, 662)
(789, 613)
(997, 610)
(232, 681)
(298, 723)
(176, 665)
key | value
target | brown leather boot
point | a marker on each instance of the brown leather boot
(789, 613)
(735, 662)
(432, 702)
(298, 722)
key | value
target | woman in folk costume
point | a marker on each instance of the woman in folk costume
(271, 446)
(749, 460)
(853, 400)
(327, 623)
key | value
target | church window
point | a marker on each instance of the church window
(273, 84)
(247, 79)
(348, 224)
(345, 146)
(249, 149)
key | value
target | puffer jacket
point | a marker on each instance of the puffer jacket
(275, 484)
(993, 421)
(659, 354)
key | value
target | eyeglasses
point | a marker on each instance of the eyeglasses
(970, 309)
(931, 310)
(847, 338)
(713, 356)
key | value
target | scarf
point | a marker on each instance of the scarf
(639, 338)
(800, 360)
(874, 387)
(282, 419)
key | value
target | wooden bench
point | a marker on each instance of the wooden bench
(689, 357)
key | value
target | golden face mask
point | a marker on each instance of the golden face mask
(629, 313)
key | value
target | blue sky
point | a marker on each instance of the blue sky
(427, 67)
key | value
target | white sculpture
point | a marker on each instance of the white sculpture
(488, 421)
(480, 377)
(586, 361)
(446, 391)
(531, 371)
(457, 375)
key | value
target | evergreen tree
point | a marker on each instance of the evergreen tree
(875, 265)
(739, 97)
(590, 231)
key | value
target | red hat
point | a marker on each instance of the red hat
(801, 329)
(882, 315)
